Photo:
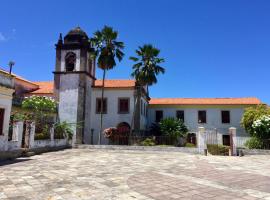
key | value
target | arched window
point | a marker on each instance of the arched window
(70, 61)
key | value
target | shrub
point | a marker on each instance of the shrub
(148, 142)
(42, 132)
(261, 127)
(155, 129)
(251, 114)
(65, 129)
(173, 127)
(190, 145)
(216, 149)
(254, 143)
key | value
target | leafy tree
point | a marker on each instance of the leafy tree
(261, 127)
(107, 48)
(39, 104)
(173, 127)
(145, 71)
(251, 114)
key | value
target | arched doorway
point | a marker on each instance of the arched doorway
(123, 130)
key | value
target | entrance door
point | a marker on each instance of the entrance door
(226, 140)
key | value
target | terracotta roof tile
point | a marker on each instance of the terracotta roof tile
(205, 101)
(115, 83)
(45, 87)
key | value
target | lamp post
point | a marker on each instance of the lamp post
(11, 64)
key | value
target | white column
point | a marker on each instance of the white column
(52, 134)
(233, 139)
(17, 133)
(201, 139)
(30, 134)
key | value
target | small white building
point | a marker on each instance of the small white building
(214, 114)
(6, 91)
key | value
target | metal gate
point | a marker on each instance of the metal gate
(213, 143)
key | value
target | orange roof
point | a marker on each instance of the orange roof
(115, 83)
(205, 101)
(45, 87)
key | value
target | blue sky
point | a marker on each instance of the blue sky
(212, 48)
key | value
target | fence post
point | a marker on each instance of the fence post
(30, 134)
(233, 141)
(17, 132)
(52, 132)
(201, 140)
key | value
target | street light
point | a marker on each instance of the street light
(11, 64)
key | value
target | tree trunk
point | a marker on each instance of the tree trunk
(137, 111)
(101, 109)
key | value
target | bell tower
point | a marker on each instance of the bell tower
(74, 76)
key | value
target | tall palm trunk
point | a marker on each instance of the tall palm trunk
(136, 112)
(101, 109)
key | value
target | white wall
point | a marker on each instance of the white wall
(213, 117)
(5, 103)
(68, 99)
(112, 118)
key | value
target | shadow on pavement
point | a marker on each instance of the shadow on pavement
(10, 162)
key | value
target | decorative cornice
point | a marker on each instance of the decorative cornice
(76, 72)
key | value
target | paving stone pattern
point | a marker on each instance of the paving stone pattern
(107, 174)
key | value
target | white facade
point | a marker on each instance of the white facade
(6, 91)
(213, 116)
(112, 117)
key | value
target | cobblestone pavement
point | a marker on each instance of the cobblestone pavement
(99, 174)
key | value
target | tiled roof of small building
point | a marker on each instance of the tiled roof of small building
(205, 101)
(45, 87)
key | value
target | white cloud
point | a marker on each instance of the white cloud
(2, 37)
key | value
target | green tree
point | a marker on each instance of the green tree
(251, 114)
(107, 48)
(145, 71)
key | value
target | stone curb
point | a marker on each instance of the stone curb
(138, 148)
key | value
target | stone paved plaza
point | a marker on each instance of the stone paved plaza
(100, 174)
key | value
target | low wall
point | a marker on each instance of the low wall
(49, 143)
(256, 152)
(140, 148)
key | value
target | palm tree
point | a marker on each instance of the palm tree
(145, 72)
(106, 49)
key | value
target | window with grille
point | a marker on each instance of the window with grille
(225, 116)
(159, 115)
(123, 105)
(180, 115)
(2, 115)
(98, 105)
(201, 116)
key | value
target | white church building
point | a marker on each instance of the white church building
(78, 92)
